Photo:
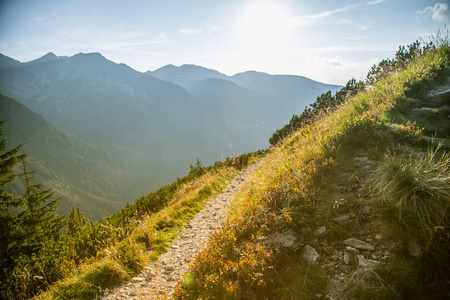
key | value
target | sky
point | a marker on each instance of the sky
(326, 40)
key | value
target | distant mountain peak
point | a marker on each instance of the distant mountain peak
(90, 55)
(49, 55)
(46, 58)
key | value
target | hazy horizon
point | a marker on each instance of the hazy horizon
(326, 41)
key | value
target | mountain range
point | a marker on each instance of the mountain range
(103, 133)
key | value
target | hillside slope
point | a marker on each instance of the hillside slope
(352, 205)
(158, 125)
(87, 176)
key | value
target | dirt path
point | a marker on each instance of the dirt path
(160, 276)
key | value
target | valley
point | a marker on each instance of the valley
(149, 126)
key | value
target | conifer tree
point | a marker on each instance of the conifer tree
(27, 221)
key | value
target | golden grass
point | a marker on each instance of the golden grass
(107, 270)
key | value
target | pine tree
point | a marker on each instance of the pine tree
(10, 222)
(27, 221)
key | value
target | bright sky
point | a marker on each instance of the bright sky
(329, 41)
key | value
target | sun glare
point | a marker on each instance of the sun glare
(263, 28)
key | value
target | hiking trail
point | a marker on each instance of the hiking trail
(159, 277)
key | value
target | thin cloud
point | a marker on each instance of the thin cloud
(190, 31)
(344, 22)
(328, 13)
(438, 12)
(301, 21)
(374, 2)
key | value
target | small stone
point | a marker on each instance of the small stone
(378, 236)
(358, 244)
(138, 279)
(363, 262)
(170, 268)
(343, 218)
(175, 247)
(346, 258)
(352, 250)
(320, 230)
(150, 274)
(310, 254)
(285, 239)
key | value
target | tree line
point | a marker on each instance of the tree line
(326, 102)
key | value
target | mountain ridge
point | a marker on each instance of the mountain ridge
(160, 125)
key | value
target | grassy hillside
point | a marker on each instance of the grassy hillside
(86, 258)
(352, 204)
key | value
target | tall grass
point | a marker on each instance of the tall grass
(420, 187)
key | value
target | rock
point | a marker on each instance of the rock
(310, 254)
(362, 159)
(170, 268)
(343, 218)
(285, 239)
(150, 273)
(358, 244)
(378, 236)
(138, 279)
(352, 250)
(363, 262)
(346, 258)
(320, 230)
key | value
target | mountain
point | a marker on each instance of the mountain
(235, 112)
(86, 175)
(186, 76)
(280, 96)
(156, 123)
(89, 96)
(290, 88)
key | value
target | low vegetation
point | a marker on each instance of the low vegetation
(72, 257)
(354, 165)
(366, 163)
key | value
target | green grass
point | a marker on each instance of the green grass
(150, 237)
(396, 280)
(300, 178)
(419, 187)
(298, 280)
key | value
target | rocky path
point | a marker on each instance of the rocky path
(160, 276)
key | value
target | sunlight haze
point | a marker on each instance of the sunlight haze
(328, 41)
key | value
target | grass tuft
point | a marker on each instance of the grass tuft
(420, 187)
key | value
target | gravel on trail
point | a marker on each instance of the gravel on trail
(160, 276)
